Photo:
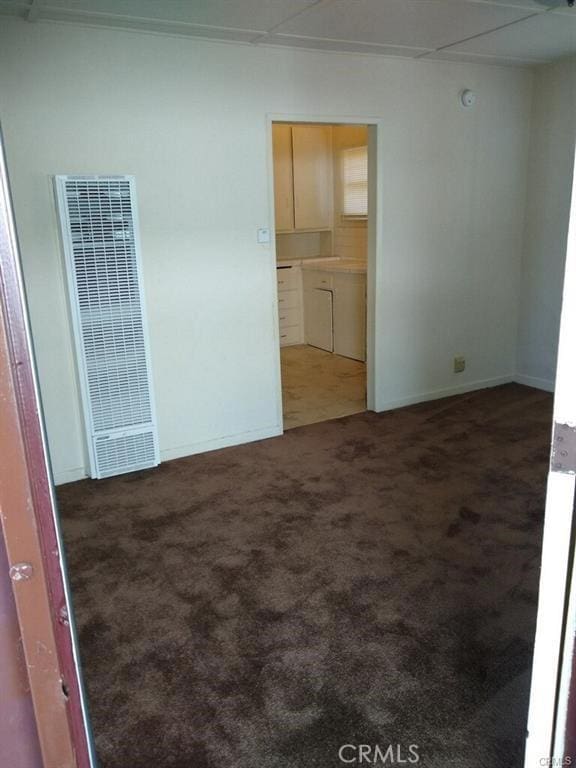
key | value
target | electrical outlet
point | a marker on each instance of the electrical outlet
(459, 364)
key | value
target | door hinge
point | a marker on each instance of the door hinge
(563, 458)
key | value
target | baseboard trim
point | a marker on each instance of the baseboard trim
(437, 394)
(534, 381)
(221, 442)
(79, 473)
(70, 476)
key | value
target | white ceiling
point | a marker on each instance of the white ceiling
(515, 32)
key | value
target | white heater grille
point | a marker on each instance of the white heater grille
(100, 236)
(128, 451)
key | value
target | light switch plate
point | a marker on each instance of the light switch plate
(263, 235)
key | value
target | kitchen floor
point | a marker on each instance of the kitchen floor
(318, 385)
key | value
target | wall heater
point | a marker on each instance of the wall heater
(100, 237)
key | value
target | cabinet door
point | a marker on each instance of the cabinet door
(317, 278)
(283, 180)
(350, 315)
(312, 158)
(318, 318)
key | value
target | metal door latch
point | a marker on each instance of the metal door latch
(63, 616)
(563, 458)
(21, 572)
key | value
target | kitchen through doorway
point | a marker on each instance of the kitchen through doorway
(321, 208)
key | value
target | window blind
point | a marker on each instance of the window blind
(354, 181)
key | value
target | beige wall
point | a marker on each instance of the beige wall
(189, 119)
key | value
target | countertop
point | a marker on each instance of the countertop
(327, 264)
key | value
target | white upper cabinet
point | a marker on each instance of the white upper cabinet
(303, 177)
(283, 177)
(312, 150)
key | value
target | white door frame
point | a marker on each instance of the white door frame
(375, 236)
(550, 677)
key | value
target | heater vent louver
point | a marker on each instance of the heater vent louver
(132, 451)
(101, 244)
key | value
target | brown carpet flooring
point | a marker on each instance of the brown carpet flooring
(367, 580)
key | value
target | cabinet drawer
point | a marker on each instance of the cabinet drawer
(288, 278)
(288, 317)
(290, 335)
(288, 300)
(317, 278)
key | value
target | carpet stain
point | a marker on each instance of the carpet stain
(369, 580)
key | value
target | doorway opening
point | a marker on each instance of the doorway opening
(322, 221)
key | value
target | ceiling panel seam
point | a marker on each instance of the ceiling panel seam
(51, 13)
(287, 36)
(258, 33)
(303, 11)
(483, 34)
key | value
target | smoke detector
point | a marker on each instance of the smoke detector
(467, 98)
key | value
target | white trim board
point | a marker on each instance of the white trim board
(242, 438)
(228, 441)
(181, 451)
(438, 394)
(532, 381)
(70, 475)
(204, 446)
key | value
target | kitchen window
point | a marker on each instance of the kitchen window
(354, 183)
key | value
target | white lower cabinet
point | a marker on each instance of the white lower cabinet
(335, 312)
(350, 315)
(289, 300)
(317, 278)
(323, 308)
(290, 305)
(289, 317)
(318, 328)
(290, 335)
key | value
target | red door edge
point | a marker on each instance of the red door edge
(12, 298)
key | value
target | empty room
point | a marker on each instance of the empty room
(294, 276)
